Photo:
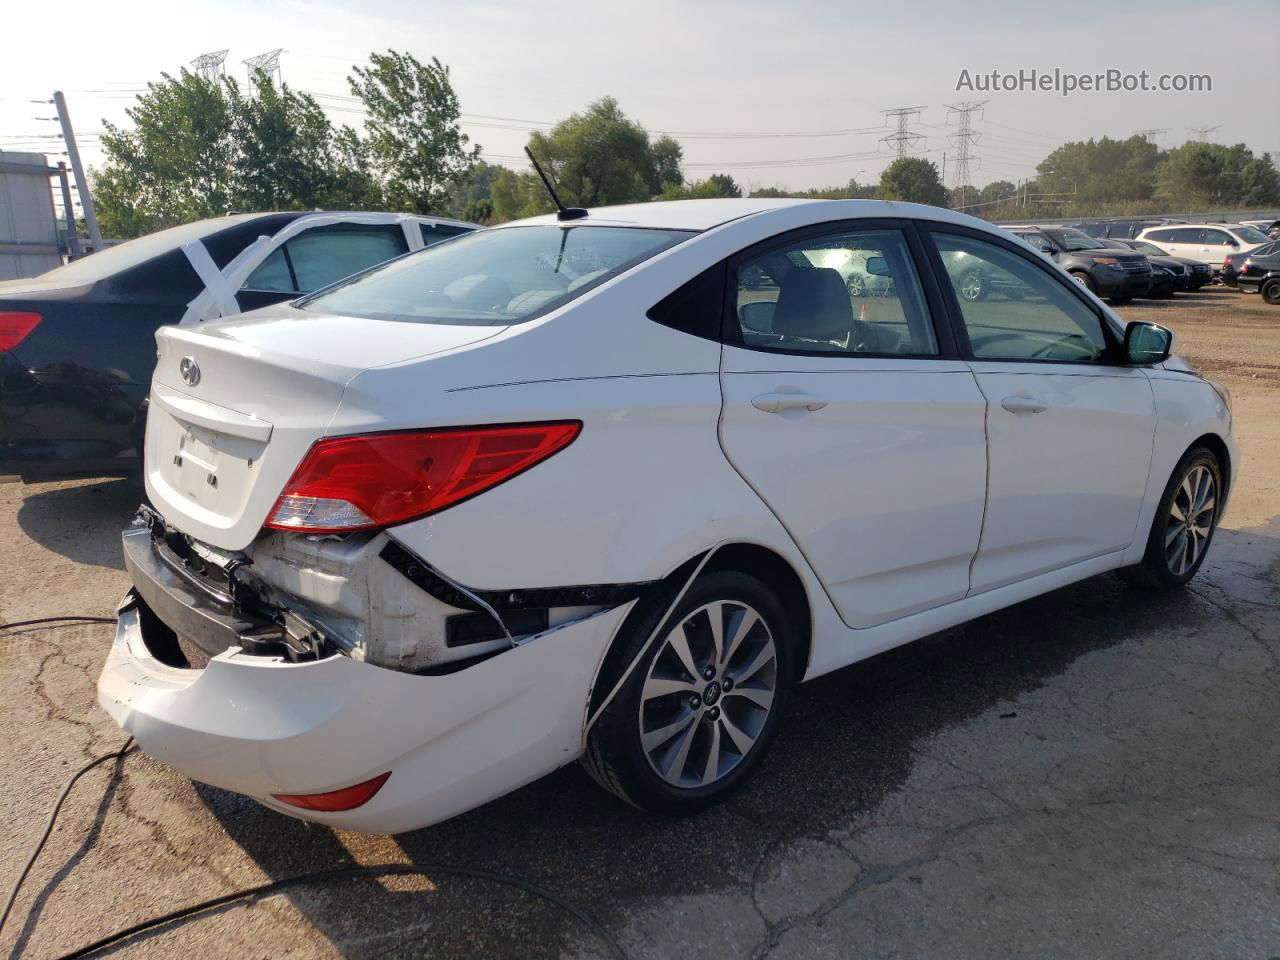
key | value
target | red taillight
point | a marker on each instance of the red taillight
(14, 327)
(348, 798)
(381, 479)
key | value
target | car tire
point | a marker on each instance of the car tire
(973, 287)
(1189, 508)
(1086, 281)
(856, 285)
(731, 708)
(1271, 292)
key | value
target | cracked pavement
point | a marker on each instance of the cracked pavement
(1093, 773)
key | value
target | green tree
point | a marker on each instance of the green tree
(716, 186)
(175, 164)
(1202, 174)
(417, 149)
(1259, 183)
(282, 148)
(1101, 171)
(600, 156)
(913, 179)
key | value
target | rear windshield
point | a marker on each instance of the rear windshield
(494, 277)
(122, 256)
(1070, 240)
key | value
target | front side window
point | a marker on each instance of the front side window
(1025, 313)
(1215, 238)
(435, 232)
(853, 292)
(496, 277)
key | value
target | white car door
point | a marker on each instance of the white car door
(854, 421)
(1069, 430)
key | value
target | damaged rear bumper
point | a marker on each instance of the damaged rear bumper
(262, 725)
(225, 690)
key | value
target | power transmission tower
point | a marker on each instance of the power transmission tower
(1151, 134)
(903, 139)
(268, 63)
(1202, 133)
(964, 137)
(209, 65)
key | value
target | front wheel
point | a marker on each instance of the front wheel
(701, 706)
(1086, 281)
(1185, 520)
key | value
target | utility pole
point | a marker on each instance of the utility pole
(1202, 133)
(69, 211)
(268, 63)
(210, 65)
(1151, 134)
(964, 137)
(77, 168)
(903, 138)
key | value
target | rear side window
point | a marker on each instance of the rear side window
(1185, 235)
(1013, 309)
(325, 255)
(496, 277)
(696, 307)
(435, 232)
(1165, 236)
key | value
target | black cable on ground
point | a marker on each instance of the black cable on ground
(347, 873)
(40, 620)
(48, 825)
(266, 889)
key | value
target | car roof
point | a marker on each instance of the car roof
(706, 214)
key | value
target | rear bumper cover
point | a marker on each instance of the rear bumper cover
(261, 725)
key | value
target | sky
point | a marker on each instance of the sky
(773, 93)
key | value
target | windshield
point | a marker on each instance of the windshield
(1070, 240)
(1148, 248)
(112, 260)
(495, 277)
(1249, 234)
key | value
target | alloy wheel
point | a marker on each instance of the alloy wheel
(971, 287)
(708, 694)
(855, 285)
(1190, 521)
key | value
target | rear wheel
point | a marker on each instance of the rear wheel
(1184, 523)
(701, 707)
(1271, 291)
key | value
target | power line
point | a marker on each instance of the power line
(1202, 133)
(903, 139)
(1152, 134)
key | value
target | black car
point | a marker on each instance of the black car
(77, 344)
(1107, 272)
(1260, 272)
(1188, 274)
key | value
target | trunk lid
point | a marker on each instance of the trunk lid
(236, 404)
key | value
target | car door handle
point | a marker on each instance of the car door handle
(1023, 404)
(781, 402)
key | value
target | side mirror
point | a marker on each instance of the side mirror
(1146, 343)
(877, 266)
(1048, 248)
(757, 316)
(1233, 245)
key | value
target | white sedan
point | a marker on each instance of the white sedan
(541, 493)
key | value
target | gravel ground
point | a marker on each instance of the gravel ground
(1091, 773)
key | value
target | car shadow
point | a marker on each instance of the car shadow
(81, 521)
(847, 742)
